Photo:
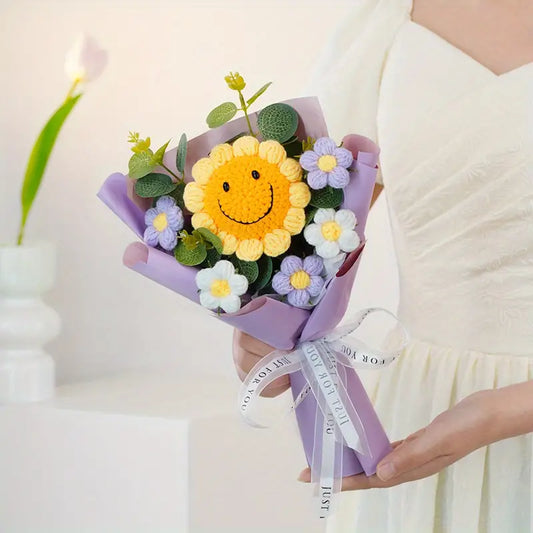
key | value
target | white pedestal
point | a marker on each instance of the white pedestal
(148, 453)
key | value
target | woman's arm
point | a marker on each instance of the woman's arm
(480, 419)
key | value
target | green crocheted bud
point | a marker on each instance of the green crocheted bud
(278, 122)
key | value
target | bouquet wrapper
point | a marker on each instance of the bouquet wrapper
(274, 322)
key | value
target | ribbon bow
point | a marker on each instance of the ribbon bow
(323, 362)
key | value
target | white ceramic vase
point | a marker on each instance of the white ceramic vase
(27, 372)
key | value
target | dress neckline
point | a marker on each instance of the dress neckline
(458, 50)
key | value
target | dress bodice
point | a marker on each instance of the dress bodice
(457, 165)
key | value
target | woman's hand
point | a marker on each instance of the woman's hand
(471, 424)
(247, 351)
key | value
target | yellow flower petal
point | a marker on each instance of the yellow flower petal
(272, 151)
(295, 220)
(203, 220)
(193, 196)
(300, 195)
(277, 242)
(246, 145)
(229, 242)
(202, 170)
(220, 154)
(291, 169)
(250, 250)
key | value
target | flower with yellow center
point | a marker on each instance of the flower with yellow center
(251, 195)
(220, 287)
(300, 280)
(332, 232)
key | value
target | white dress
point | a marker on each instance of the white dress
(457, 165)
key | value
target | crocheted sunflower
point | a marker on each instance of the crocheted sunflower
(251, 195)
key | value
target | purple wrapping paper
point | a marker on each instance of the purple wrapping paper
(269, 320)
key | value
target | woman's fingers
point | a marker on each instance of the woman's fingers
(247, 352)
(250, 344)
(361, 482)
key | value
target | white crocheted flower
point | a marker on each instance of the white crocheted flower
(332, 232)
(220, 287)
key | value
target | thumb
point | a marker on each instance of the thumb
(413, 452)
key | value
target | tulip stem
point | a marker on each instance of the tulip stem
(70, 93)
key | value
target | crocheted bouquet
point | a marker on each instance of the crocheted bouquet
(260, 219)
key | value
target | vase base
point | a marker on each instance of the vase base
(26, 378)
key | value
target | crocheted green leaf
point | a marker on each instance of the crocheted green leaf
(278, 122)
(293, 146)
(190, 257)
(327, 197)
(246, 268)
(210, 237)
(254, 97)
(212, 258)
(266, 268)
(177, 194)
(141, 164)
(310, 214)
(221, 114)
(154, 185)
(181, 153)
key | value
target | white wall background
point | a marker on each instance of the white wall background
(166, 68)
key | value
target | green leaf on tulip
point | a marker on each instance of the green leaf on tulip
(254, 97)
(181, 154)
(221, 114)
(153, 185)
(141, 164)
(39, 158)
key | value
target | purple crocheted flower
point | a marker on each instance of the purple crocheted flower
(163, 223)
(299, 280)
(327, 164)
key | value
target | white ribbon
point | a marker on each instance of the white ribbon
(337, 423)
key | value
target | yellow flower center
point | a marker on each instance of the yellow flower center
(300, 279)
(160, 222)
(327, 163)
(331, 231)
(220, 288)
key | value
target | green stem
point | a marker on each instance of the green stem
(245, 109)
(170, 171)
(20, 237)
(72, 88)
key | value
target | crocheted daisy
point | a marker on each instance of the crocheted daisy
(250, 195)
(220, 287)
(327, 164)
(332, 232)
(163, 223)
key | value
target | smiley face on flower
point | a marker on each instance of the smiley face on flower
(220, 287)
(250, 195)
(333, 232)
